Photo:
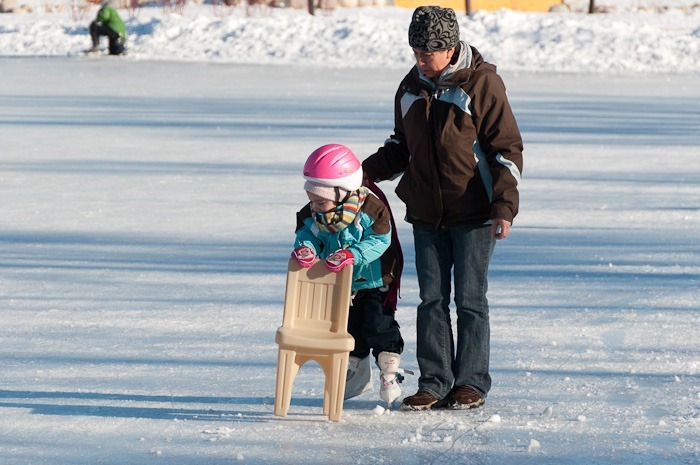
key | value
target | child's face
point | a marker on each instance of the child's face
(321, 205)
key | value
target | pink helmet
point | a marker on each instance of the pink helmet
(334, 165)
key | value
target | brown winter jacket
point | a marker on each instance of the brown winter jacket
(457, 144)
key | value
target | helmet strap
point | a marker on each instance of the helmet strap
(340, 198)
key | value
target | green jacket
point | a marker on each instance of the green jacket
(109, 17)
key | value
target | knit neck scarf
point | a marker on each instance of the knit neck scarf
(344, 214)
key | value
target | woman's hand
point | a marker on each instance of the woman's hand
(500, 228)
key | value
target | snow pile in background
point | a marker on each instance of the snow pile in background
(627, 41)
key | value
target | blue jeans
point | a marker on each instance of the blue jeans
(468, 251)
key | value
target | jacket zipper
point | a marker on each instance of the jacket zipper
(437, 192)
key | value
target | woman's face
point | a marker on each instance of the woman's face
(321, 205)
(433, 63)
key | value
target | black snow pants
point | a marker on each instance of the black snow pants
(116, 47)
(372, 325)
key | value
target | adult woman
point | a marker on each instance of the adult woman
(458, 147)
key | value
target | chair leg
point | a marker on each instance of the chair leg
(287, 369)
(335, 386)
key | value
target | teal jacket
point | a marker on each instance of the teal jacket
(109, 17)
(367, 238)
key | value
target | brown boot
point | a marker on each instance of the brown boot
(421, 400)
(464, 397)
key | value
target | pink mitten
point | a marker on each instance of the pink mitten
(339, 260)
(304, 255)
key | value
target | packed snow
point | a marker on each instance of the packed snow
(627, 40)
(148, 209)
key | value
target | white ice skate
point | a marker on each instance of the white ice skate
(390, 376)
(358, 378)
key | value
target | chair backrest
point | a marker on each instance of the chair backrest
(316, 298)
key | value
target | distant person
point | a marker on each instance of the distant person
(458, 148)
(345, 224)
(108, 23)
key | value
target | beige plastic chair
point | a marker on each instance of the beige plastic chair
(314, 327)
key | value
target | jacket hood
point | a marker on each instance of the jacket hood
(460, 69)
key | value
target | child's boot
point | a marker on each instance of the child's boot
(390, 376)
(358, 378)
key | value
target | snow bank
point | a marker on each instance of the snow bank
(629, 42)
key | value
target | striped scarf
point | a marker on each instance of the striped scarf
(344, 215)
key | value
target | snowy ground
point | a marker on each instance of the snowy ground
(147, 215)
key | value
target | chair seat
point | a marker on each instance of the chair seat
(310, 339)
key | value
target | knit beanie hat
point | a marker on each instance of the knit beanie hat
(433, 29)
(336, 194)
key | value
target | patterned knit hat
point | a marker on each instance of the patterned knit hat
(433, 29)
(336, 194)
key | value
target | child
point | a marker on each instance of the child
(108, 23)
(346, 224)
